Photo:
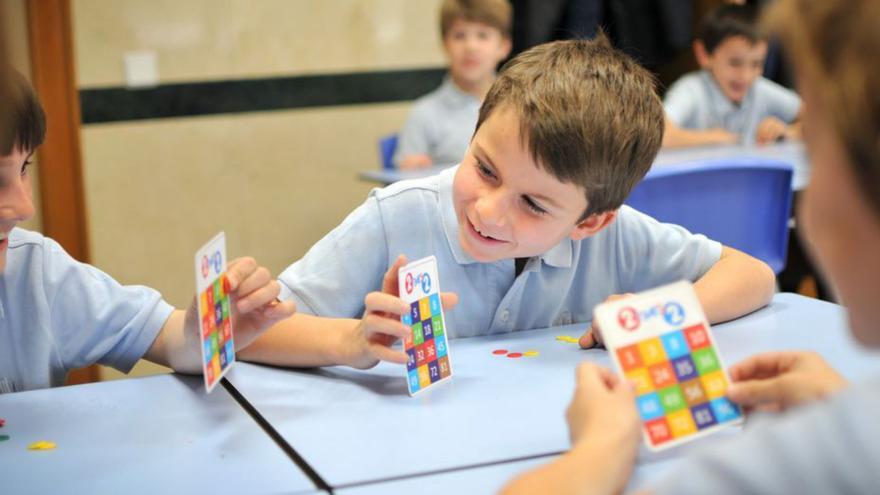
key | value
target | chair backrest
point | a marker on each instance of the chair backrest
(744, 203)
(387, 146)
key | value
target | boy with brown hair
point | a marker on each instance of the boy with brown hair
(476, 38)
(826, 438)
(728, 101)
(529, 230)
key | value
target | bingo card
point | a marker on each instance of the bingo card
(215, 315)
(427, 348)
(660, 340)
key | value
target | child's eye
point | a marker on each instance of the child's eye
(24, 167)
(534, 207)
(484, 170)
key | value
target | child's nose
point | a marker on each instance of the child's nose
(17, 205)
(492, 209)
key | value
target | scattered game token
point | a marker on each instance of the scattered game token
(514, 355)
(4, 438)
(499, 352)
(42, 445)
(530, 353)
(567, 338)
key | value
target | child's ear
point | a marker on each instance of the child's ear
(593, 224)
(701, 54)
(506, 46)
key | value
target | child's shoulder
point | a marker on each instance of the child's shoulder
(21, 238)
(405, 190)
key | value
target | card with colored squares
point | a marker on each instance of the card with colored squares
(426, 347)
(215, 314)
(660, 340)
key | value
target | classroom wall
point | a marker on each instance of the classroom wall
(274, 181)
(14, 29)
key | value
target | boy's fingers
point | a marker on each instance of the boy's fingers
(279, 310)
(587, 340)
(385, 303)
(448, 300)
(384, 353)
(239, 269)
(757, 392)
(264, 295)
(255, 280)
(389, 282)
(386, 326)
(760, 366)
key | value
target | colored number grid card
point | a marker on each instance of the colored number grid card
(660, 340)
(426, 347)
(215, 314)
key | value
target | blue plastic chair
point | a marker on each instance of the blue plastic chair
(744, 203)
(387, 146)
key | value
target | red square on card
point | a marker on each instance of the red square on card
(208, 325)
(629, 357)
(421, 358)
(662, 374)
(658, 431)
(696, 336)
(430, 350)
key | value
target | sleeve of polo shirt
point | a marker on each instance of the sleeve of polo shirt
(94, 318)
(335, 275)
(681, 103)
(651, 253)
(782, 102)
(415, 137)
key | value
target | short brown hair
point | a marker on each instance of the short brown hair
(494, 13)
(589, 115)
(22, 121)
(834, 44)
(728, 21)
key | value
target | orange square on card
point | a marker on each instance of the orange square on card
(662, 374)
(629, 357)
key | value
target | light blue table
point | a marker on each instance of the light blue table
(791, 152)
(357, 427)
(149, 435)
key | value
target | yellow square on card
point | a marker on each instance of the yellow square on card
(681, 423)
(652, 351)
(715, 384)
(641, 379)
(424, 309)
(424, 376)
(216, 364)
(204, 302)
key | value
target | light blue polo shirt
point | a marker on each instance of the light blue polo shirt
(57, 314)
(696, 101)
(440, 125)
(417, 218)
(827, 447)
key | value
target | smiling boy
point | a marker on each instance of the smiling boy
(528, 230)
(728, 101)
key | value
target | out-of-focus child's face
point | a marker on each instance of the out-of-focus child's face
(842, 229)
(474, 50)
(16, 203)
(506, 206)
(736, 64)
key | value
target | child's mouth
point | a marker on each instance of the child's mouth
(481, 236)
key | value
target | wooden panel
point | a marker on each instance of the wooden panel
(60, 172)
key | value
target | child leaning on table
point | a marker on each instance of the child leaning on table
(529, 230)
(828, 439)
(57, 314)
(728, 101)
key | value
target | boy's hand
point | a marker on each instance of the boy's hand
(780, 380)
(603, 405)
(381, 326)
(720, 136)
(593, 337)
(770, 130)
(413, 162)
(254, 304)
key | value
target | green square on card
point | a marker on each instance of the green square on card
(418, 337)
(437, 325)
(705, 360)
(672, 399)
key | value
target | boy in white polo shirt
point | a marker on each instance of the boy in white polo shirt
(528, 230)
(728, 101)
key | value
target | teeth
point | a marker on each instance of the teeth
(482, 234)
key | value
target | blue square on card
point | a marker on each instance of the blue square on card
(703, 416)
(414, 311)
(434, 301)
(413, 380)
(675, 344)
(406, 319)
(411, 359)
(649, 406)
(440, 345)
(209, 354)
(230, 352)
(427, 330)
(684, 368)
(434, 371)
(724, 410)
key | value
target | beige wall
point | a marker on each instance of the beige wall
(14, 28)
(277, 181)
